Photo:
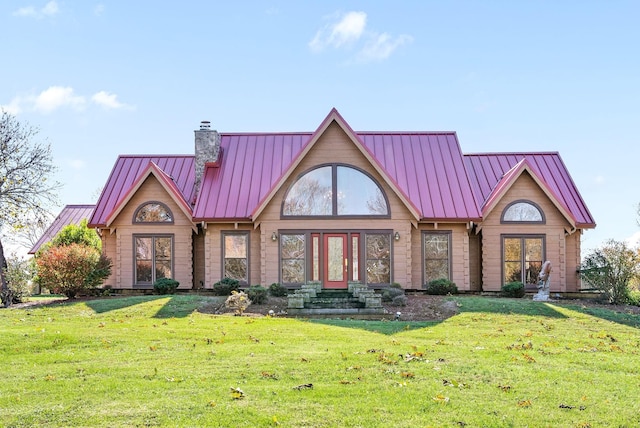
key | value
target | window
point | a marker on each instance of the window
(522, 258)
(436, 248)
(153, 258)
(235, 256)
(292, 258)
(335, 190)
(378, 258)
(153, 212)
(522, 212)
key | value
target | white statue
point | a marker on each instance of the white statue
(545, 275)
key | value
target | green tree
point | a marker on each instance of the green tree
(76, 234)
(26, 188)
(610, 269)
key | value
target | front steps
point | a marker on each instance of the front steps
(356, 301)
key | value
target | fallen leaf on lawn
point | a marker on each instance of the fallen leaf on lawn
(237, 393)
(304, 386)
(441, 399)
(524, 403)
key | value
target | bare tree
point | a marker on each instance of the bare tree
(26, 187)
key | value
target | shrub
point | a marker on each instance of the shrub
(165, 286)
(277, 290)
(258, 294)
(238, 301)
(513, 289)
(442, 287)
(400, 300)
(19, 274)
(390, 293)
(225, 287)
(634, 297)
(72, 269)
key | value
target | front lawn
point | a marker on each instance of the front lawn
(158, 361)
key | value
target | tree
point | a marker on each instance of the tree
(610, 269)
(73, 269)
(77, 234)
(26, 190)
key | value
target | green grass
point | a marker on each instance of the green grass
(157, 361)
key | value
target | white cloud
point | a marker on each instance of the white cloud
(56, 97)
(634, 240)
(108, 101)
(49, 9)
(77, 163)
(98, 10)
(347, 29)
(381, 46)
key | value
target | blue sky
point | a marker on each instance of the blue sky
(106, 77)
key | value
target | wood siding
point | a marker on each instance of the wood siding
(563, 274)
(124, 229)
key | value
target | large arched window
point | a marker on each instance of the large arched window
(153, 212)
(523, 212)
(335, 190)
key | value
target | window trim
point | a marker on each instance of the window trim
(523, 201)
(153, 236)
(246, 233)
(142, 205)
(449, 235)
(334, 194)
(521, 236)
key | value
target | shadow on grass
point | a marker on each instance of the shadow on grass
(506, 306)
(378, 326)
(608, 314)
(176, 307)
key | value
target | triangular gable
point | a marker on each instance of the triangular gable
(165, 181)
(70, 214)
(334, 116)
(510, 177)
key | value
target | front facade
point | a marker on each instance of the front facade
(338, 206)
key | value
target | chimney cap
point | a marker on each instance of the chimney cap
(205, 124)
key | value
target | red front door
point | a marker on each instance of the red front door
(336, 260)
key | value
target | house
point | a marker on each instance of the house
(339, 206)
(70, 214)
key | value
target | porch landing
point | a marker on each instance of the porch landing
(357, 301)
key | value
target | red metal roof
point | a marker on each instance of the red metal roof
(427, 169)
(128, 168)
(486, 171)
(70, 214)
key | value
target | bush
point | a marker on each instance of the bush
(277, 290)
(257, 294)
(390, 293)
(634, 297)
(165, 286)
(513, 289)
(72, 269)
(400, 300)
(19, 274)
(442, 287)
(225, 287)
(238, 301)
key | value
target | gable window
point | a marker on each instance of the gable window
(335, 190)
(153, 258)
(236, 256)
(522, 212)
(522, 258)
(153, 212)
(436, 249)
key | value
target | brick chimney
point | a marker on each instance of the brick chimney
(207, 148)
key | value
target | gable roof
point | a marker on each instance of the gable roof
(70, 214)
(128, 169)
(492, 174)
(425, 169)
(165, 181)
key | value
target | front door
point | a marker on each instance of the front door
(336, 260)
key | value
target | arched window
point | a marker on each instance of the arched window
(335, 190)
(153, 212)
(522, 212)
